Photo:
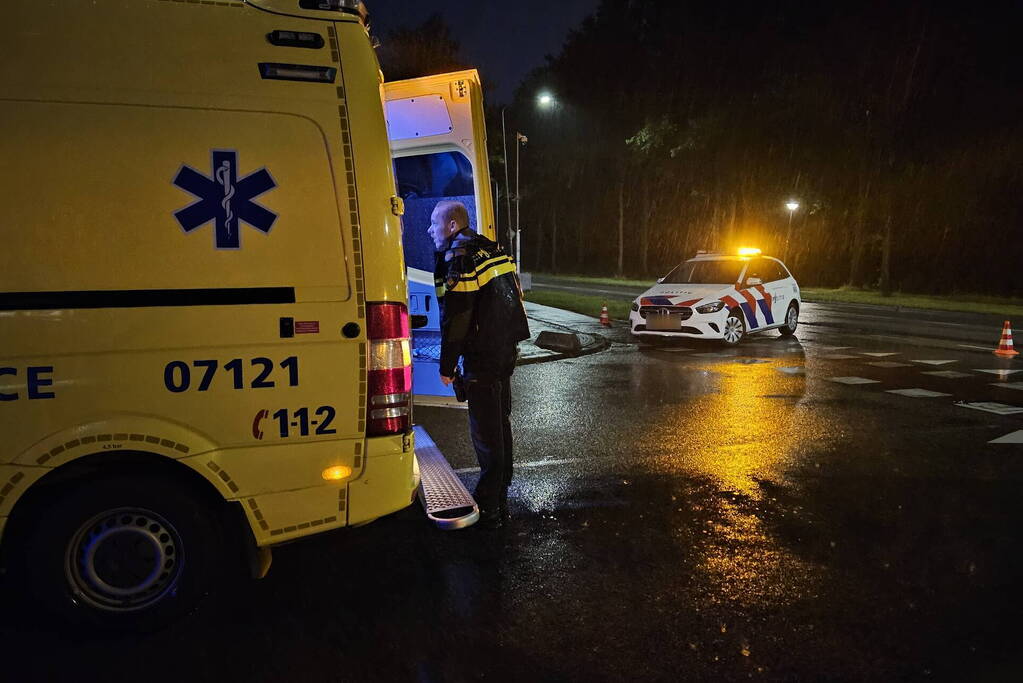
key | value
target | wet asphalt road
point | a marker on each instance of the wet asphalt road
(676, 516)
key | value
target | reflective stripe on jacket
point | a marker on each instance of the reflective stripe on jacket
(482, 317)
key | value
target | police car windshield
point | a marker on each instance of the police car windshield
(704, 273)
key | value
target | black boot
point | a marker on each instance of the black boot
(490, 519)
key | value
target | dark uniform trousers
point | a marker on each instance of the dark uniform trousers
(489, 398)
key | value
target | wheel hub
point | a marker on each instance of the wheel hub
(733, 329)
(124, 560)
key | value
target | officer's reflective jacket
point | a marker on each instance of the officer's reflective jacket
(482, 316)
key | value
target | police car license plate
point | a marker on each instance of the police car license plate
(664, 323)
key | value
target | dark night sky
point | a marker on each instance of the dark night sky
(503, 39)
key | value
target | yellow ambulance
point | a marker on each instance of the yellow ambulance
(204, 332)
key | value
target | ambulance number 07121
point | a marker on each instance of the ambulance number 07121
(177, 375)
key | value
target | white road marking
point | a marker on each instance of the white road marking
(876, 354)
(535, 463)
(971, 346)
(853, 380)
(792, 370)
(1000, 372)
(839, 356)
(947, 374)
(992, 407)
(751, 361)
(934, 362)
(1013, 437)
(1008, 385)
(917, 393)
(890, 364)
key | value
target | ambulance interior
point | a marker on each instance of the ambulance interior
(438, 145)
(423, 181)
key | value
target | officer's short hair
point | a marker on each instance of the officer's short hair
(453, 211)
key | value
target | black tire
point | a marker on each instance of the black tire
(791, 321)
(122, 553)
(735, 329)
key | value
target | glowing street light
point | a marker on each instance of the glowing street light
(544, 100)
(792, 205)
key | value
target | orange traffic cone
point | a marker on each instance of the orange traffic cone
(1005, 345)
(606, 321)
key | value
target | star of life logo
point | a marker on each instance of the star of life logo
(225, 199)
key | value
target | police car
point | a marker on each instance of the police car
(721, 297)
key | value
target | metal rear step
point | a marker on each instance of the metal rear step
(446, 501)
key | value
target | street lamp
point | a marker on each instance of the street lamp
(507, 188)
(544, 100)
(792, 205)
(520, 140)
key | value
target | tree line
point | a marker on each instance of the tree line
(678, 126)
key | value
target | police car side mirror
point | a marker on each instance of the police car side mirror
(419, 321)
(753, 281)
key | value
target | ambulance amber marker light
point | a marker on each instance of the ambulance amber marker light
(336, 473)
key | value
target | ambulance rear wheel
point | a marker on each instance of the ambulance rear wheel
(735, 329)
(791, 321)
(123, 553)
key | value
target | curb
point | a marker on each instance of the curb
(596, 344)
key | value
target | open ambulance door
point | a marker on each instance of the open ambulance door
(439, 147)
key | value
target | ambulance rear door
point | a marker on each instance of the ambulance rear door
(438, 141)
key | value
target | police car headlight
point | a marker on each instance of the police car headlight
(711, 308)
(635, 306)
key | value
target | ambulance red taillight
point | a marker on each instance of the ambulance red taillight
(389, 406)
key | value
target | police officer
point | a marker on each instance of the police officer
(482, 322)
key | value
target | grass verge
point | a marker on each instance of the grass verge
(579, 303)
(963, 303)
(620, 282)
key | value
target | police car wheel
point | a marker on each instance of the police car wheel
(125, 553)
(735, 329)
(791, 321)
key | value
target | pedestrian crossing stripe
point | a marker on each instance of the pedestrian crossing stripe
(1001, 372)
(853, 380)
(992, 407)
(947, 374)
(917, 393)
(1012, 437)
